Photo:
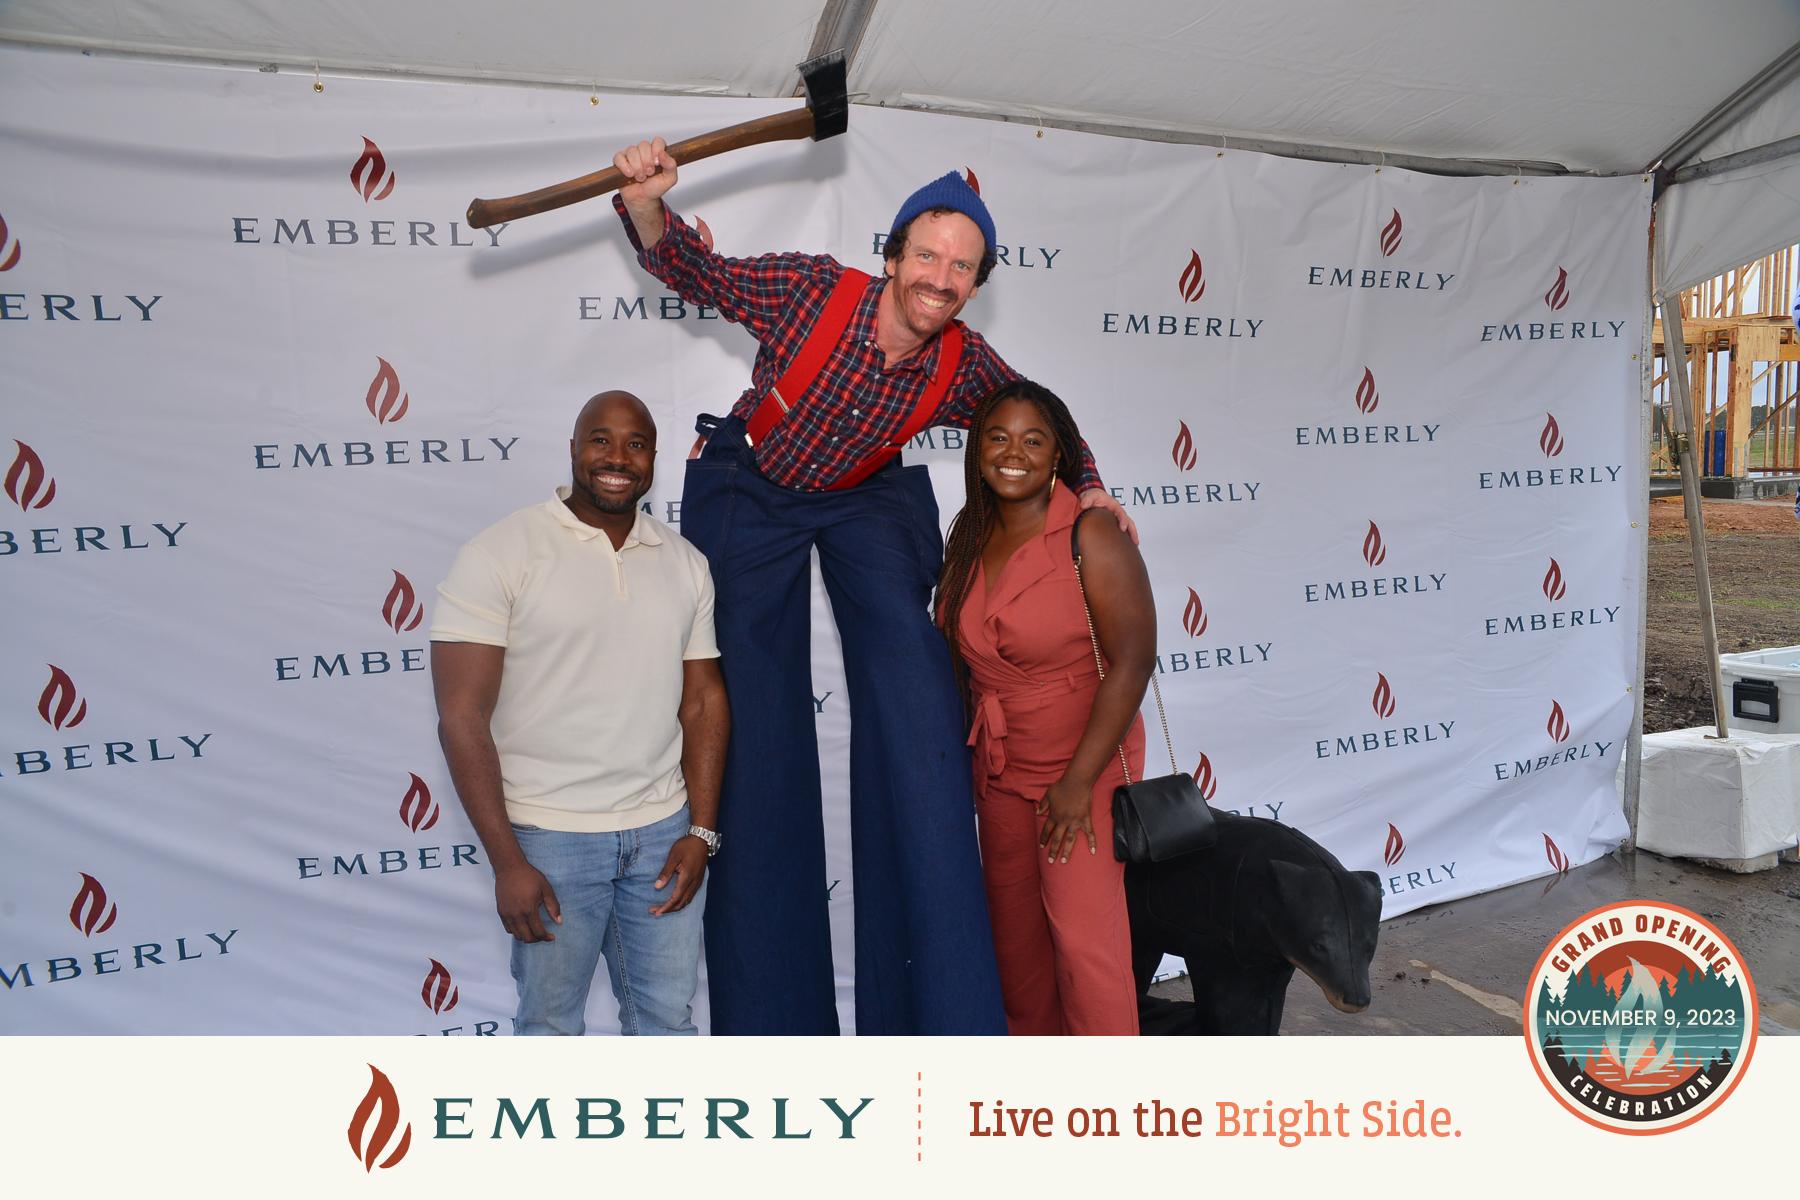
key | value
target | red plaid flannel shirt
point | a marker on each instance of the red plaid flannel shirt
(858, 403)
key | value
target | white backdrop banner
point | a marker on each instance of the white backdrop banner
(1379, 430)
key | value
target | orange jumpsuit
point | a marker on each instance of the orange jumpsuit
(1060, 930)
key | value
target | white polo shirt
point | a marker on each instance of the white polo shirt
(595, 640)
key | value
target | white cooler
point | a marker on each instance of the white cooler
(1763, 688)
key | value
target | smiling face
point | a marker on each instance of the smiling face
(934, 275)
(612, 457)
(1018, 451)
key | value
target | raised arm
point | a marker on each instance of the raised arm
(1124, 612)
(465, 676)
(752, 292)
(653, 171)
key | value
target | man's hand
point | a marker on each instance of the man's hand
(1099, 497)
(518, 894)
(651, 170)
(687, 866)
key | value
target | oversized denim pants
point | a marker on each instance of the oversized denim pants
(924, 950)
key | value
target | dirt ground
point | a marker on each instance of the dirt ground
(1753, 550)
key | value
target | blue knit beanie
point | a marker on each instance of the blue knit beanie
(947, 191)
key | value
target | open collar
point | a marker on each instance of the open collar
(643, 532)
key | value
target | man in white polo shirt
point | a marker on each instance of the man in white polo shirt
(583, 716)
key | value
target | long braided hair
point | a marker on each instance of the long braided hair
(969, 531)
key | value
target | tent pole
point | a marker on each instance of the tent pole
(1754, 91)
(841, 26)
(1675, 352)
(1754, 157)
(1634, 741)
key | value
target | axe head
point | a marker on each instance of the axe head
(827, 94)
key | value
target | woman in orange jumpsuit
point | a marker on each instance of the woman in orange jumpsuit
(1047, 731)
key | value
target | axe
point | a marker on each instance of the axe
(827, 113)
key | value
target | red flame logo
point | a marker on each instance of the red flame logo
(1374, 553)
(1554, 587)
(1390, 235)
(1550, 441)
(970, 179)
(381, 1096)
(27, 483)
(416, 807)
(439, 993)
(367, 174)
(402, 611)
(9, 248)
(1558, 295)
(1395, 847)
(1183, 451)
(1367, 398)
(90, 902)
(1383, 699)
(1193, 617)
(1204, 780)
(59, 703)
(1558, 725)
(1193, 279)
(384, 389)
(1557, 858)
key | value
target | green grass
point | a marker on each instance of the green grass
(1772, 603)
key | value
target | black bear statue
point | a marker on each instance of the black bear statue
(1263, 901)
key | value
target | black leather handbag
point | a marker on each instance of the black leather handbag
(1153, 819)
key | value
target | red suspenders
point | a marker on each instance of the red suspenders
(804, 369)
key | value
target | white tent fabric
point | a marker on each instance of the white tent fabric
(1708, 225)
(1603, 87)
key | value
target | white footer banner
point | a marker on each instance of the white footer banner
(810, 1117)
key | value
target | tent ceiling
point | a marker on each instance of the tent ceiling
(1601, 85)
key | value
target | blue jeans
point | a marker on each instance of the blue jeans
(604, 883)
(924, 949)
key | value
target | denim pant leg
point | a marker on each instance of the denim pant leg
(925, 951)
(768, 928)
(553, 977)
(654, 961)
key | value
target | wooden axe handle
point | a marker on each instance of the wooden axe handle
(781, 127)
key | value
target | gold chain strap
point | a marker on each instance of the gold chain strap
(1100, 666)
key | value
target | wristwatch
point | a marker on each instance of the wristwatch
(709, 836)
